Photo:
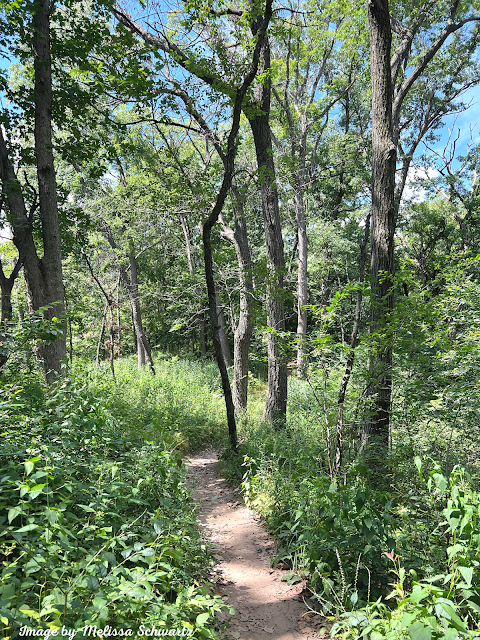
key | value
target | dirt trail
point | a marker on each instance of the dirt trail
(265, 607)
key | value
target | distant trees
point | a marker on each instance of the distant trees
(256, 108)
(237, 134)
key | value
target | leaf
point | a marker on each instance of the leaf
(27, 527)
(451, 614)
(30, 465)
(407, 620)
(419, 631)
(35, 491)
(418, 594)
(467, 574)
(440, 481)
(418, 464)
(92, 583)
(201, 619)
(157, 527)
(99, 603)
(13, 513)
(51, 515)
(114, 471)
(86, 508)
(456, 548)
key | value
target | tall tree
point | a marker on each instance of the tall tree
(306, 91)
(419, 38)
(256, 107)
(43, 275)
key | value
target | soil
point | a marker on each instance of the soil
(265, 607)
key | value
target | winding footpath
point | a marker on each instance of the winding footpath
(265, 607)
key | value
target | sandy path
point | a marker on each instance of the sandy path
(265, 607)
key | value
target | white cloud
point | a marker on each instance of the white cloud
(414, 187)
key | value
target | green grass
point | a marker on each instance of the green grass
(183, 401)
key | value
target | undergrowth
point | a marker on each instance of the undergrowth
(184, 400)
(96, 523)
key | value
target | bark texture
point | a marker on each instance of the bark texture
(276, 401)
(376, 429)
(222, 334)
(191, 270)
(43, 276)
(54, 353)
(7, 285)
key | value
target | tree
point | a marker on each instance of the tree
(43, 275)
(391, 84)
(256, 108)
(306, 91)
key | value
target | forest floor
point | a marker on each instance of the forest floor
(265, 606)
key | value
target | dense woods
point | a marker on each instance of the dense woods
(254, 226)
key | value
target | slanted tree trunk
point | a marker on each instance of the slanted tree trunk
(376, 428)
(7, 285)
(257, 111)
(222, 333)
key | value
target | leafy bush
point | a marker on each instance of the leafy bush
(330, 531)
(96, 525)
(447, 605)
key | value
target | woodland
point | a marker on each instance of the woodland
(252, 226)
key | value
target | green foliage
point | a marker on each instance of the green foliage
(447, 605)
(96, 524)
(182, 402)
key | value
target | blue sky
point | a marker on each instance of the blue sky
(463, 121)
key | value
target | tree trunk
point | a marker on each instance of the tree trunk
(131, 287)
(43, 276)
(351, 355)
(376, 428)
(6, 285)
(55, 353)
(276, 402)
(302, 284)
(144, 354)
(243, 330)
(191, 270)
(144, 350)
(222, 333)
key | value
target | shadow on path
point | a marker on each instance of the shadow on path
(265, 607)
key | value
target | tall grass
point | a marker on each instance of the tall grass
(182, 401)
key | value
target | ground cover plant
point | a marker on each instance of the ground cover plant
(96, 522)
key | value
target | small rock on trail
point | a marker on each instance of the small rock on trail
(265, 607)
